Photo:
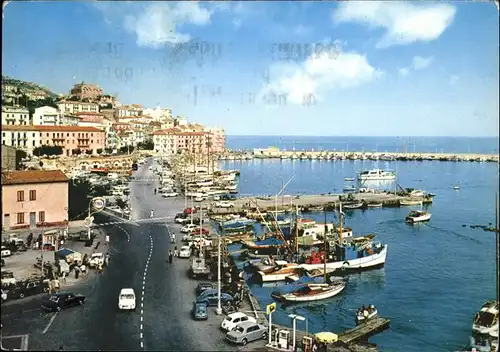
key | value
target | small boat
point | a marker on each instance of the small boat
(279, 272)
(417, 193)
(374, 205)
(376, 174)
(365, 313)
(407, 202)
(486, 320)
(456, 188)
(349, 179)
(418, 216)
(356, 205)
(431, 194)
(310, 292)
(349, 188)
(265, 264)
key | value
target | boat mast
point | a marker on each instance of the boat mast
(297, 230)
(340, 223)
(324, 243)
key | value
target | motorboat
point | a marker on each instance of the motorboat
(266, 264)
(374, 205)
(356, 205)
(417, 193)
(376, 174)
(279, 272)
(310, 292)
(311, 274)
(268, 246)
(349, 188)
(486, 320)
(456, 188)
(349, 179)
(410, 202)
(418, 216)
(364, 314)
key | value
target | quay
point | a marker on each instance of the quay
(318, 202)
(276, 153)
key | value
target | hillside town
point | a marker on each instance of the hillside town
(88, 121)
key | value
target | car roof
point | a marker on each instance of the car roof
(236, 315)
(247, 324)
(185, 247)
(127, 291)
(62, 293)
(206, 284)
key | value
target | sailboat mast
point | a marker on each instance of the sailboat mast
(297, 229)
(282, 194)
(340, 223)
(324, 242)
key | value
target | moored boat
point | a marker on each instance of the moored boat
(409, 202)
(376, 174)
(349, 179)
(364, 314)
(278, 273)
(311, 292)
(418, 216)
(349, 188)
(486, 320)
(356, 205)
(374, 205)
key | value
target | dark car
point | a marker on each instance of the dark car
(63, 300)
(28, 289)
(181, 216)
(227, 197)
(210, 297)
(203, 286)
(199, 311)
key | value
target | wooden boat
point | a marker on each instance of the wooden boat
(311, 292)
(409, 202)
(313, 273)
(366, 313)
(418, 216)
(354, 205)
(374, 205)
(279, 273)
(265, 265)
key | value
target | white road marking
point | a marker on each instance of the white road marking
(50, 323)
(142, 345)
(142, 299)
(141, 326)
(141, 319)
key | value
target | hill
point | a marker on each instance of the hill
(26, 87)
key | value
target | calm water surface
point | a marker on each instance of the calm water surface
(437, 274)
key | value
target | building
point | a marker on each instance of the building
(8, 158)
(15, 116)
(158, 114)
(37, 95)
(128, 111)
(180, 121)
(70, 138)
(34, 198)
(175, 140)
(72, 107)
(216, 139)
(86, 91)
(69, 120)
(90, 119)
(47, 116)
(167, 123)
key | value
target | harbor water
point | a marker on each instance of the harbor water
(437, 275)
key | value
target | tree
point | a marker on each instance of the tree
(34, 104)
(88, 152)
(20, 154)
(48, 150)
(108, 150)
(79, 197)
(99, 151)
(76, 151)
(147, 145)
(126, 149)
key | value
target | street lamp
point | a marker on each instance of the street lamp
(295, 317)
(98, 203)
(218, 311)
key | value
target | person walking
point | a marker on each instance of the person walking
(176, 252)
(170, 257)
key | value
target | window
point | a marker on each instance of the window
(20, 196)
(41, 216)
(32, 194)
(20, 218)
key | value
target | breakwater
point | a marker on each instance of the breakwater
(275, 153)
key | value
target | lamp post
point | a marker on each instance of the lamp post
(218, 311)
(295, 317)
(98, 203)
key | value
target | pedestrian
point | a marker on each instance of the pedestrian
(170, 257)
(77, 272)
(83, 268)
(176, 252)
(64, 277)
(56, 285)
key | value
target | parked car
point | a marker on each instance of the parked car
(182, 221)
(6, 252)
(185, 252)
(190, 210)
(29, 288)
(188, 228)
(210, 297)
(227, 197)
(126, 299)
(8, 278)
(96, 259)
(63, 300)
(200, 231)
(170, 194)
(246, 332)
(203, 286)
(224, 204)
(199, 311)
(234, 319)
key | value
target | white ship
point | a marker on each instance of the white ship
(376, 174)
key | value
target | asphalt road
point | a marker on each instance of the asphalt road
(139, 259)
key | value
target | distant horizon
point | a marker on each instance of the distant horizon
(358, 136)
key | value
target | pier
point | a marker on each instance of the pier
(276, 153)
(363, 331)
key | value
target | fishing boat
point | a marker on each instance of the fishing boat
(309, 232)
(349, 188)
(278, 273)
(410, 202)
(238, 220)
(356, 205)
(364, 314)
(456, 188)
(310, 292)
(266, 264)
(374, 205)
(312, 274)
(486, 320)
(376, 174)
(269, 246)
(417, 193)
(418, 216)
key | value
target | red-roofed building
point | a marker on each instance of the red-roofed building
(34, 198)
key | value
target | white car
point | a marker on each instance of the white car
(224, 204)
(126, 299)
(96, 259)
(6, 252)
(188, 228)
(182, 220)
(232, 320)
(216, 197)
(199, 199)
(170, 194)
(185, 252)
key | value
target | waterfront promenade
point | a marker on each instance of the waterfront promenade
(275, 153)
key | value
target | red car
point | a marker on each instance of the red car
(189, 210)
(200, 231)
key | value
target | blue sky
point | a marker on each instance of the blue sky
(367, 68)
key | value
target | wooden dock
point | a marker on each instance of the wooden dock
(364, 331)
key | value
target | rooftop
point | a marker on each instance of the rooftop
(32, 176)
(24, 128)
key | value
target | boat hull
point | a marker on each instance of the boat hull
(369, 262)
(413, 220)
(272, 277)
(290, 297)
(360, 319)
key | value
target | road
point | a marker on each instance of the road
(139, 259)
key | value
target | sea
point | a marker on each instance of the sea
(437, 274)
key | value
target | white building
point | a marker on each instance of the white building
(111, 139)
(158, 114)
(47, 116)
(15, 116)
(25, 138)
(69, 120)
(165, 142)
(167, 123)
(181, 121)
(128, 110)
(72, 107)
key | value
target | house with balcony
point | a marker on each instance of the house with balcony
(47, 116)
(15, 116)
(34, 199)
(24, 137)
(72, 107)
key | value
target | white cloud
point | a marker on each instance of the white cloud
(404, 71)
(404, 23)
(419, 62)
(318, 74)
